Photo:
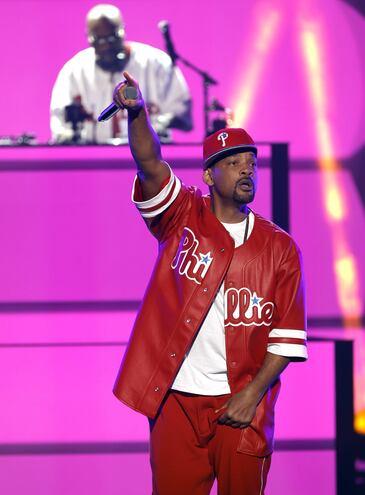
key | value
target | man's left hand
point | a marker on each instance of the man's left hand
(240, 409)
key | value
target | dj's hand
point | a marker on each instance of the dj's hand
(121, 97)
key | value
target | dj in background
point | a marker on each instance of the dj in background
(84, 86)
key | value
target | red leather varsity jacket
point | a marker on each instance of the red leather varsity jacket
(264, 304)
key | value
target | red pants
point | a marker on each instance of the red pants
(189, 449)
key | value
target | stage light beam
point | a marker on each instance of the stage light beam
(264, 31)
(334, 199)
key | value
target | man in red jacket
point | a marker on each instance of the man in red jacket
(223, 315)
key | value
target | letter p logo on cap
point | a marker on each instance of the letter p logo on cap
(223, 136)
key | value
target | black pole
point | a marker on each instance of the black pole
(345, 437)
(207, 81)
(280, 185)
(205, 107)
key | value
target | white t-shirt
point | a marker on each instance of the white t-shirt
(162, 85)
(204, 370)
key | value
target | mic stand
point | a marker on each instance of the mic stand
(207, 82)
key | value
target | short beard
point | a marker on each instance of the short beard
(242, 198)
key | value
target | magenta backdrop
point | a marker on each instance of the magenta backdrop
(71, 235)
(228, 40)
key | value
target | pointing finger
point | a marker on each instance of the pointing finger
(129, 79)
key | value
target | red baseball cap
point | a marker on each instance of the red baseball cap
(226, 142)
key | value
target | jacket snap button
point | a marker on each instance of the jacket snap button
(205, 289)
(188, 320)
(222, 250)
(157, 389)
(173, 354)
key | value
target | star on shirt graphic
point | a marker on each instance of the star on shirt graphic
(205, 258)
(256, 300)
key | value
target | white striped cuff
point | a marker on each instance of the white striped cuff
(156, 205)
(288, 342)
(287, 333)
(289, 350)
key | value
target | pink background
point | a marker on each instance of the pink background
(70, 235)
(224, 39)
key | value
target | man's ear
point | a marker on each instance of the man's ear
(208, 177)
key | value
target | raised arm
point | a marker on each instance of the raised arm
(143, 140)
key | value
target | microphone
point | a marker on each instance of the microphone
(130, 93)
(164, 27)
